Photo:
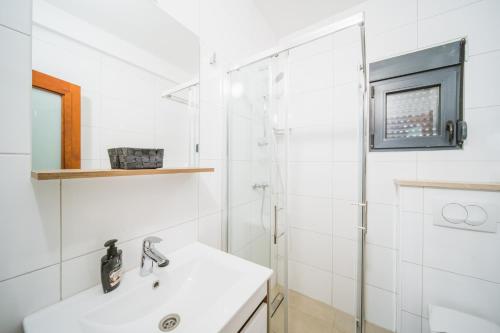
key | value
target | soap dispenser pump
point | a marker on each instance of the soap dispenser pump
(111, 267)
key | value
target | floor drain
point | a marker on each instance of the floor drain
(169, 322)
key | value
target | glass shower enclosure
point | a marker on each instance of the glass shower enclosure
(296, 175)
(257, 171)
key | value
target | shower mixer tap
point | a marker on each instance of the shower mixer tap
(260, 186)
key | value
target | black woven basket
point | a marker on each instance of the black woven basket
(135, 158)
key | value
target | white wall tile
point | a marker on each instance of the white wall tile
(380, 307)
(212, 84)
(311, 248)
(211, 129)
(392, 43)
(312, 144)
(391, 156)
(97, 210)
(48, 46)
(411, 199)
(16, 14)
(244, 252)
(346, 217)
(381, 176)
(314, 179)
(311, 49)
(15, 90)
(83, 272)
(411, 236)
(309, 74)
(125, 82)
(346, 105)
(310, 281)
(311, 108)
(344, 294)
(475, 22)
(461, 293)
(425, 326)
(344, 257)
(176, 237)
(90, 143)
(90, 164)
(382, 225)
(410, 323)
(90, 107)
(346, 181)
(260, 250)
(26, 294)
(238, 232)
(428, 8)
(411, 288)
(483, 71)
(461, 171)
(172, 124)
(378, 14)
(29, 220)
(311, 213)
(139, 117)
(210, 188)
(346, 144)
(347, 37)
(346, 123)
(462, 251)
(242, 178)
(346, 62)
(209, 230)
(240, 137)
(380, 267)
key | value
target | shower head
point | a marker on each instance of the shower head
(279, 77)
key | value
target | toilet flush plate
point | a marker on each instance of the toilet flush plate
(475, 216)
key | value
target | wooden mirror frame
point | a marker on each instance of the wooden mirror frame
(71, 131)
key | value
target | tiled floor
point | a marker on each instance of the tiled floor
(306, 315)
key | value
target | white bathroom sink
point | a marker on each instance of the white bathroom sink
(206, 288)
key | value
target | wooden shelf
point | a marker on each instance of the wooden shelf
(79, 173)
(495, 187)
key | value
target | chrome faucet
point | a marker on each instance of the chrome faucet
(260, 186)
(150, 256)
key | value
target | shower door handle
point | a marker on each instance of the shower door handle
(275, 234)
(364, 212)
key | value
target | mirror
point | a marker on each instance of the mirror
(110, 74)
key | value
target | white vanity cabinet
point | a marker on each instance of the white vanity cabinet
(258, 322)
(252, 315)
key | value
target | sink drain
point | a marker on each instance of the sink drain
(169, 322)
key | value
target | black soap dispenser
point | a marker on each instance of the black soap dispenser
(111, 267)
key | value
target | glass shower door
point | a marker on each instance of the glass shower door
(256, 178)
(295, 152)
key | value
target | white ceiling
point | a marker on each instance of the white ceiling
(143, 24)
(288, 16)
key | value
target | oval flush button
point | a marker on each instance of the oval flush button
(477, 215)
(454, 213)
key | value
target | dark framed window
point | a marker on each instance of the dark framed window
(417, 110)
